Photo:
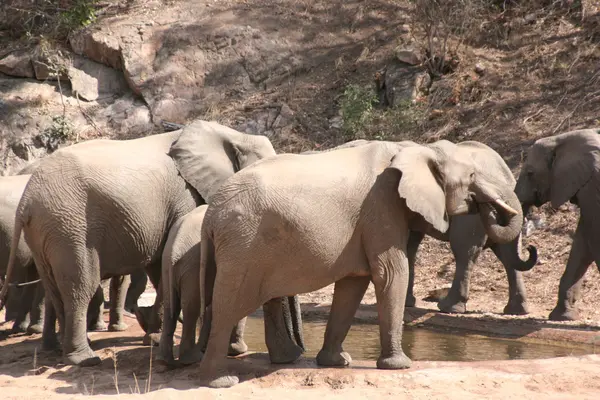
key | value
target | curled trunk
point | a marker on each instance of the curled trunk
(494, 216)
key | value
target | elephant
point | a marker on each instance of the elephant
(295, 223)
(181, 292)
(103, 208)
(27, 303)
(27, 295)
(467, 239)
(557, 169)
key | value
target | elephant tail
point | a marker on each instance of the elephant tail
(208, 270)
(14, 246)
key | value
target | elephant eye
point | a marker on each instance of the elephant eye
(472, 176)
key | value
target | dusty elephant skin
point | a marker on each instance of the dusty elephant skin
(345, 217)
(565, 168)
(181, 292)
(102, 208)
(468, 238)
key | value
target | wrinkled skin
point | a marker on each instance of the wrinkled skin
(468, 238)
(25, 304)
(312, 229)
(103, 208)
(565, 168)
(181, 292)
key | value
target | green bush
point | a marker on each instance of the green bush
(357, 105)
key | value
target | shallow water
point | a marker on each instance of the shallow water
(362, 343)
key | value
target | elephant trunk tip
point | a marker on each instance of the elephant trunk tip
(531, 261)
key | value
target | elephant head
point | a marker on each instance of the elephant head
(207, 153)
(557, 167)
(445, 179)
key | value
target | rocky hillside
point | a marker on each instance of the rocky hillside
(308, 74)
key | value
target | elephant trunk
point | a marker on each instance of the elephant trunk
(296, 321)
(491, 215)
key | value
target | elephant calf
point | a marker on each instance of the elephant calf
(181, 292)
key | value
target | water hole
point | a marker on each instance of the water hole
(362, 343)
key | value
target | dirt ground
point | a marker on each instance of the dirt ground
(541, 78)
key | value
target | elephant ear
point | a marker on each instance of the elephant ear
(207, 153)
(571, 169)
(420, 184)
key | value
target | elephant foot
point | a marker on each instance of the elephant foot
(191, 357)
(143, 316)
(151, 339)
(223, 382)
(165, 359)
(98, 326)
(559, 314)
(50, 343)
(35, 328)
(448, 305)
(333, 359)
(237, 348)
(19, 327)
(120, 327)
(84, 358)
(400, 361)
(516, 308)
(289, 355)
(411, 301)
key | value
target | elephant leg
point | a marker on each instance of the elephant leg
(151, 318)
(517, 299)
(467, 239)
(13, 304)
(347, 295)
(569, 290)
(414, 240)
(20, 304)
(76, 275)
(37, 310)
(49, 336)
(389, 272)
(95, 318)
(118, 286)
(279, 331)
(165, 353)
(137, 286)
(237, 345)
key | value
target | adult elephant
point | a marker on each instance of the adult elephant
(557, 169)
(467, 237)
(103, 208)
(26, 304)
(340, 216)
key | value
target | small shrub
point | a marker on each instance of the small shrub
(357, 105)
(60, 131)
(81, 13)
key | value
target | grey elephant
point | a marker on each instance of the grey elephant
(27, 303)
(27, 294)
(181, 293)
(103, 208)
(468, 238)
(558, 169)
(295, 223)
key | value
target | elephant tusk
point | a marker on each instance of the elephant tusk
(506, 207)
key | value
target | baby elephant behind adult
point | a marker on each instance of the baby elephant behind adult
(181, 292)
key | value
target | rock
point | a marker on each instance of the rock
(405, 28)
(530, 18)
(50, 70)
(99, 46)
(272, 121)
(128, 118)
(407, 55)
(83, 85)
(336, 122)
(399, 83)
(479, 69)
(92, 80)
(17, 63)
(436, 295)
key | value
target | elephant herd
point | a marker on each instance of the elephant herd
(222, 225)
